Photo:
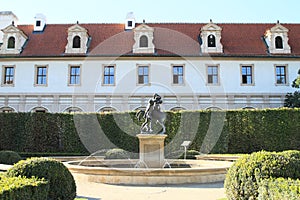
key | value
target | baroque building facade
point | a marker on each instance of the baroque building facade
(105, 67)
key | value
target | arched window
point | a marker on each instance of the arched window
(7, 110)
(76, 42)
(278, 42)
(177, 109)
(107, 110)
(11, 43)
(39, 110)
(73, 110)
(211, 41)
(143, 41)
(213, 108)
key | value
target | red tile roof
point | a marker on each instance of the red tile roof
(169, 39)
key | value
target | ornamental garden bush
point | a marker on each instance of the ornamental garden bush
(247, 173)
(117, 153)
(279, 188)
(15, 188)
(9, 157)
(61, 182)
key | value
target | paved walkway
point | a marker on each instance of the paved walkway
(99, 191)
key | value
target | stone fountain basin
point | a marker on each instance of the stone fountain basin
(119, 172)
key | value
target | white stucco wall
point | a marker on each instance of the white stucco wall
(126, 86)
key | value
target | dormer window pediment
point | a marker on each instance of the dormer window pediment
(211, 37)
(77, 40)
(13, 40)
(143, 36)
(277, 40)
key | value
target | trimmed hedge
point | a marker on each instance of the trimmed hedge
(9, 157)
(61, 182)
(235, 131)
(245, 175)
(280, 188)
(16, 188)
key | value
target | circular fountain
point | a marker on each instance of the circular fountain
(150, 169)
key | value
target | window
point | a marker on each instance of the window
(212, 74)
(143, 41)
(247, 75)
(74, 75)
(281, 75)
(107, 110)
(177, 74)
(76, 42)
(39, 110)
(8, 78)
(278, 43)
(41, 75)
(6, 110)
(11, 43)
(211, 41)
(73, 110)
(38, 23)
(143, 75)
(129, 24)
(109, 75)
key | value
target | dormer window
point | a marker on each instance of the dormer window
(13, 40)
(143, 36)
(38, 23)
(76, 42)
(129, 24)
(211, 37)
(11, 43)
(211, 41)
(130, 21)
(143, 41)
(278, 42)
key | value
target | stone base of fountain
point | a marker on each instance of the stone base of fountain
(151, 151)
(109, 171)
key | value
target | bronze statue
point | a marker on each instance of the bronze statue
(153, 114)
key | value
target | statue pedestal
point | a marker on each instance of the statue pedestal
(152, 150)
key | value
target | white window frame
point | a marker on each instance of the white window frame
(3, 84)
(183, 74)
(103, 75)
(252, 74)
(286, 75)
(36, 67)
(218, 75)
(69, 74)
(137, 74)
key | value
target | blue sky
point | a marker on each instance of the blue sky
(114, 11)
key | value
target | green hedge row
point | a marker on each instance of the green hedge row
(279, 188)
(236, 131)
(15, 188)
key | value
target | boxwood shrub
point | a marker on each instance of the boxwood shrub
(117, 154)
(244, 176)
(279, 188)
(16, 188)
(9, 157)
(61, 182)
